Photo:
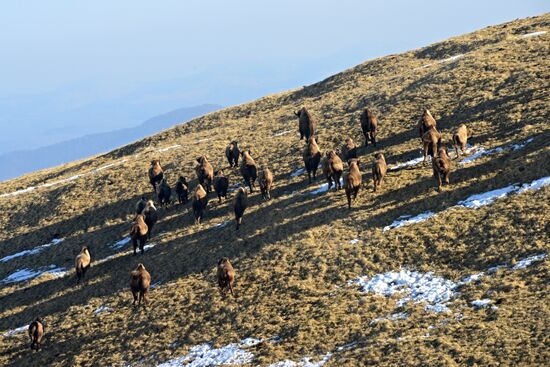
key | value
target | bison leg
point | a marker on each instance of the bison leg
(373, 138)
(309, 176)
(338, 183)
(134, 244)
(135, 297)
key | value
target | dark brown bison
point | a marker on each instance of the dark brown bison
(164, 193)
(379, 169)
(205, 173)
(150, 216)
(36, 333)
(140, 205)
(352, 181)
(426, 122)
(226, 275)
(221, 185)
(232, 153)
(369, 125)
(306, 124)
(460, 139)
(82, 263)
(156, 174)
(138, 233)
(349, 150)
(431, 141)
(199, 202)
(140, 281)
(266, 183)
(239, 205)
(312, 157)
(333, 169)
(249, 170)
(182, 190)
(441, 166)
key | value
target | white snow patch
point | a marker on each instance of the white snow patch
(102, 309)
(222, 224)
(480, 151)
(15, 331)
(304, 362)
(482, 303)
(121, 243)
(33, 251)
(533, 34)
(169, 148)
(354, 241)
(201, 140)
(406, 220)
(411, 163)
(535, 185)
(280, 133)
(485, 198)
(451, 59)
(22, 275)
(472, 278)
(149, 246)
(323, 188)
(522, 264)
(298, 172)
(416, 287)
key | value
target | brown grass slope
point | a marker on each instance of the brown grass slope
(293, 268)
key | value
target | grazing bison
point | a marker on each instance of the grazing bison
(232, 153)
(460, 138)
(200, 199)
(441, 166)
(352, 181)
(140, 280)
(150, 216)
(379, 169)
(164, 193)
(306, 124)
(138, 233)
(312, 157)
(182, 190)
(82, 263)
(266, 183)
(333, 169)
(249, 170)
(36, 333)
(221, 184)
(369, 125)
(431, 141)
(349, 150)
(239, 205)
(141, 205)
(426, 123)
(155, 174)
(226, 275)
(205, 173)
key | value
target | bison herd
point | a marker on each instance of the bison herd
(333, 167)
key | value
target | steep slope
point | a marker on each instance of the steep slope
(301, 257)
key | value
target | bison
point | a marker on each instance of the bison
(249, 170)
(349, 150)
(379, 169)
(266, 183)
(199, 202)
(333, 169)
(36, 333)
(205, 173)
(312, 157)
(156, 174)
(182, 190)
(239, 205)
(140, 205)
(164, 193)
(426, 122)
(431, 141)
(306, 124)
(460, 138)
(150, 216)
(82, 263)
(138, 233)
(226, 275)
(441, 166)
(140, 280)
(369, 125)
(221, 184)
(232, 154)
(352, 181)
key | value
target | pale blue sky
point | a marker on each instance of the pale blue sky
(69, 68)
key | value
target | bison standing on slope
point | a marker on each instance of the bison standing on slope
(82, 263)
(226, 275)
(249, 170)
(156, 174)
(266, 183)
(221, 185)
(140, 281)
(431, 141)
(306, 124)
(36, 333)
(333, 169)
(232, 154)
(199, 202)
(150, 216)
(352, 181)
(369, 125)
(182, 190)
(312, 157)
(426, 122)
(349, 150)
(138, 233)
(205, 173)
(239, 205)
(379, 169)
(460, 139)
(441, 166)
(164, 193)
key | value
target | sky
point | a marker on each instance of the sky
(69, 68)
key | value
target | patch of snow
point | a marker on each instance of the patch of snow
(411, 163)
(121, 243)
(480, 151)
(201, 140)
(149, 246)
(482, 303)
(485, 198)
(283, 132)
(494, 269)
(522, 264)
(168, 148)
(323, 188)
(102, 309)
(416, 287)
(222, 224)
(33, 251)
(298, 172)
(304, 362)
(16, 331)
(472, 278)
(533, 34)
(451, 59)
(407, 220)
(534, 185)
(18, 192)
(354, 241)
(22, 275)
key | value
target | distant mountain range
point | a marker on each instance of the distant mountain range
(16, 163)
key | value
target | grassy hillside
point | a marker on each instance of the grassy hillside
(297, 255)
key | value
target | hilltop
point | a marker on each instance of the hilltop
(408, 276)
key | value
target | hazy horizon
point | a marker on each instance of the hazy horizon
(71, 69)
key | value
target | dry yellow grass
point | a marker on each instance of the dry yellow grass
(293, 254)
